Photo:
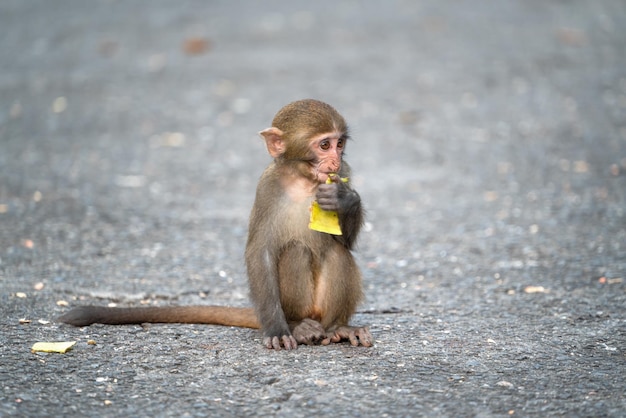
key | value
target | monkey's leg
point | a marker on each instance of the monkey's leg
(296, 278)
(339, 291)
(341, 301)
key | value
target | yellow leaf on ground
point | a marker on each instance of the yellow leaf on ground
(58, 347)
(535, 289)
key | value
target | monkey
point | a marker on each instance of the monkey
(304, 284)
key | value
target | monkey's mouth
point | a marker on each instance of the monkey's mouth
(324, 177)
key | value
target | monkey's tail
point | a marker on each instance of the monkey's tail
(217, 315)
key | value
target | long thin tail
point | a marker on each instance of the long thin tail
(217, 315)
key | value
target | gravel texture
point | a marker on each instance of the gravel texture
(489, 149)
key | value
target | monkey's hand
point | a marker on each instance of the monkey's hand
(288, 342)
(336, 196)
(356, 336)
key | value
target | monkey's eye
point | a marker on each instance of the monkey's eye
(325, 145)
(340, 143)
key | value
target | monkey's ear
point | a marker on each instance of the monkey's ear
(274, 141)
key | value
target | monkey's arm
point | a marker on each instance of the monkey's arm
(338, 196)
(262, 251)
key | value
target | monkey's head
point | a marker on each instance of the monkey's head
(309, 131)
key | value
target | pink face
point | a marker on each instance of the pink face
(328, 149)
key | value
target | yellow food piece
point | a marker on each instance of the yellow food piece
(331, 175)
(325, 220)
(58, 347)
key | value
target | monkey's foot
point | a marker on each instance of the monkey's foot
(308, 331)
(356, 336)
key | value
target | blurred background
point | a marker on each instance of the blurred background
(467, 121)
(489, 147)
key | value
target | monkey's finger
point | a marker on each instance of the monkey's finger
(331, 338)
(271, 342)
(321, 199)
(277, 343)
(289, 342)
(354, 340)
(326, 190)
(328, 204)
(360, 336)
(328, 186)
(365, 337)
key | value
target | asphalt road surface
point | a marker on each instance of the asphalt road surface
(489, 147)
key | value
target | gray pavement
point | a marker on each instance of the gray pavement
(489, 149)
